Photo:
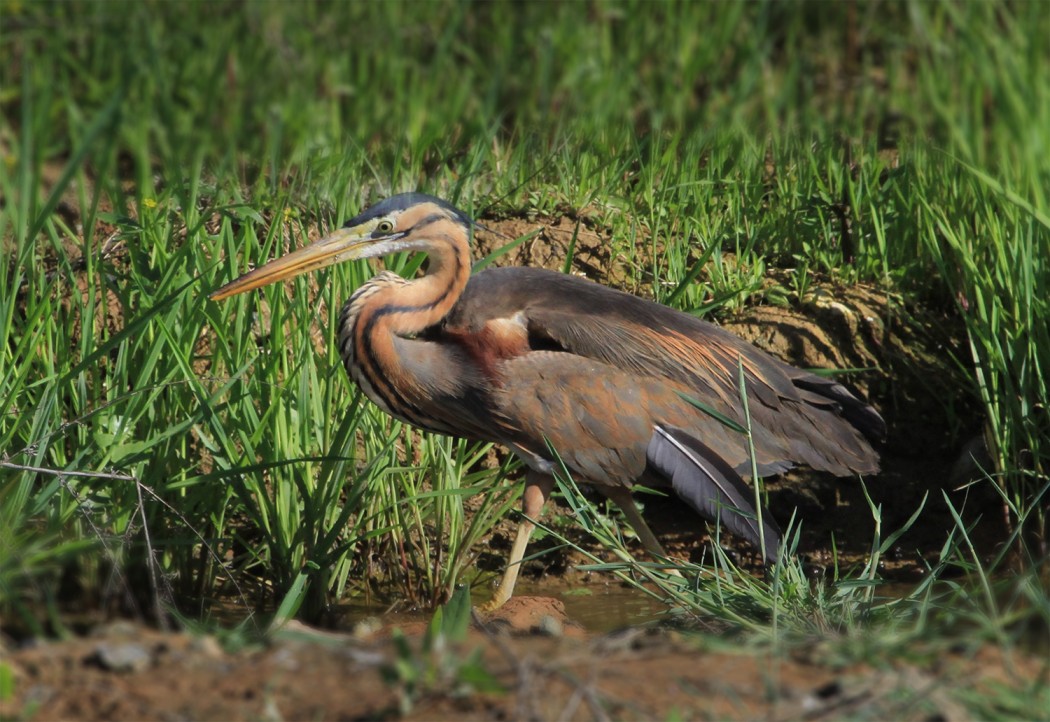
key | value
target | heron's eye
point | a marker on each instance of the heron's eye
(384, 227)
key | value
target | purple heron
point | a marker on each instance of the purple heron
(537, 360)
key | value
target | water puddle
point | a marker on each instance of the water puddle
(597, 608)
(600, 608)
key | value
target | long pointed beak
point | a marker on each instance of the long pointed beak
(344, 245)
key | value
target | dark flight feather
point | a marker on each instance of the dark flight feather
(715, 491)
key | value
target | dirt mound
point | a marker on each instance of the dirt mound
(553, 240)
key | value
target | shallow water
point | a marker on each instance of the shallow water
(598, 608)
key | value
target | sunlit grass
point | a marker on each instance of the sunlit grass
(219, 451)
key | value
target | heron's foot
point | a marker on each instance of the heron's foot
(498, 600)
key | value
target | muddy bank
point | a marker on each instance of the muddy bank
(529, 663)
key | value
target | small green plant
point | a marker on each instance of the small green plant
(7, 682)
(439, 667)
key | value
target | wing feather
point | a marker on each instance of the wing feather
(789, 407)
(708, 484)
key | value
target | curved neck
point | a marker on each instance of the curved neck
(421, 303)
(390, 309)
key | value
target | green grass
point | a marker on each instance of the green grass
(191, 451)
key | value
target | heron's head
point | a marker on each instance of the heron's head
(405, 222)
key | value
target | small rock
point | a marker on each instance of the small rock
(367, 628)
(207, 646)
(533, 615)
(123, 657)
(285, 659)
(119, 628)
(550, 626)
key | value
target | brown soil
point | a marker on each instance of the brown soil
(552, 240)
(533, 670)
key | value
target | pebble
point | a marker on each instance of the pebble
(122, 657)
(549, 626)
(207, 646)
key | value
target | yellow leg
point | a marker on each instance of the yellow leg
(537, 489)
(623, 499)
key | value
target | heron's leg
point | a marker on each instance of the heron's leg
(537, 488)
(621, 496)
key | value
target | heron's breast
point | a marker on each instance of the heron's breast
(498, 340)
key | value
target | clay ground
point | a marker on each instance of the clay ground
(537, 666)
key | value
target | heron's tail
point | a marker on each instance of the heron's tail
(708, 484)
